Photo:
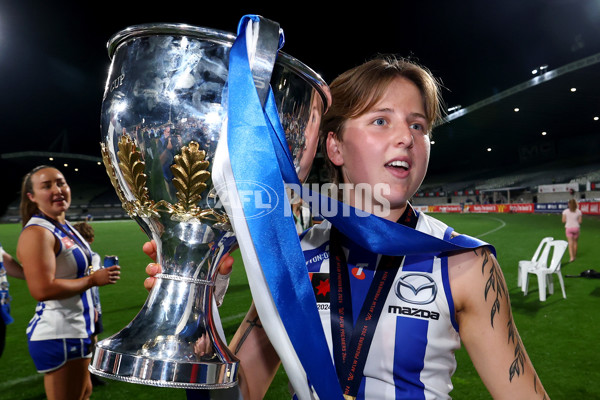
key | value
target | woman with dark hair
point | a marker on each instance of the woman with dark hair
(56, 261)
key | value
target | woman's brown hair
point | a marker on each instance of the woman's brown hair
(355, 91)
(27, 207)
(573, 205)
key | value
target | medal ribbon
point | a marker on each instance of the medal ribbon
(83, 245)
(349, 340)
(359, 336)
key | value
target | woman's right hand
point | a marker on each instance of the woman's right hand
(152, 269)
(106, 276)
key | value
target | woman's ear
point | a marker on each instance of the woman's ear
(30, 197)
(334, 149)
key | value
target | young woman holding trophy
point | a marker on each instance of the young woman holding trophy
(417, 308)
(56, 261)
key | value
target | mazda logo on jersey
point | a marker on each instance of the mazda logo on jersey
(416, 288)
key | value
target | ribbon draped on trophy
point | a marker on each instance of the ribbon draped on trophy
(201, 132)
(257, 153)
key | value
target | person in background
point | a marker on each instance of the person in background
(302, 216)
(169, 146)
(572, 217)
(8, 266)
(377, 133)
(56, 261)
(87, 232)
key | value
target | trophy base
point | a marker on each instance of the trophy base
(163, 373)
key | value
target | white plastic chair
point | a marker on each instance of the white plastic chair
(545, 272)
(541, 253)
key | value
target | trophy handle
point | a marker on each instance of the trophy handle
(262, 49)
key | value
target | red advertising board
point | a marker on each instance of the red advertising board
(481, 208)
(446, 208)
(590, 207)
(521, 208)
(500, 208)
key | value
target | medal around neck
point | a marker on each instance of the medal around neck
(163, 112)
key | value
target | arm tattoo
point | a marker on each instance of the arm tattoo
(251, 325)
(495, 285)
(518, 365)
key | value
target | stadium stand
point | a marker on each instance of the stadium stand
(518, 184)
(94, 197)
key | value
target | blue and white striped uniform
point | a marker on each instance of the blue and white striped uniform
(412, 352)
(72, 317)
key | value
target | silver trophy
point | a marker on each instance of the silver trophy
(163, 112)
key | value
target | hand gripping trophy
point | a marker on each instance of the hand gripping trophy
(164, 114)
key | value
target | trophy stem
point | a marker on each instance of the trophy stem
(171, 342)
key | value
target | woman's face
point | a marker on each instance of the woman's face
(385, 149)
(50, 192)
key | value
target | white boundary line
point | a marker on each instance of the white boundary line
(26, 379)
(502, 225)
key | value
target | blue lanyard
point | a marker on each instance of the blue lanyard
(351, 341)
(84, 247)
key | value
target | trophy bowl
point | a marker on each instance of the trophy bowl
(163, 112)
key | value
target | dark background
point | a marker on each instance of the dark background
(53, 66)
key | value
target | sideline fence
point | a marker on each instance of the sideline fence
(587, 208)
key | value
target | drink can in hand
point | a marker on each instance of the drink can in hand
(109, 261)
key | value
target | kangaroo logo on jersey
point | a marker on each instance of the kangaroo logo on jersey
(416, 288)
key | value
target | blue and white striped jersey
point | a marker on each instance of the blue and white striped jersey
(412, 352)
(72, 317)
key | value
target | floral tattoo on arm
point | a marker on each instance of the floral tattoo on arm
(495, 288)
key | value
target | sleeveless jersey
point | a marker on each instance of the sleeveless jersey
(411, 355)
(72, 317)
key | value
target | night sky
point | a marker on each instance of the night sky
(54, 62)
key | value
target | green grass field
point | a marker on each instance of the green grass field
(561, 335)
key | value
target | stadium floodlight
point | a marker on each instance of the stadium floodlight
(541, 69)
